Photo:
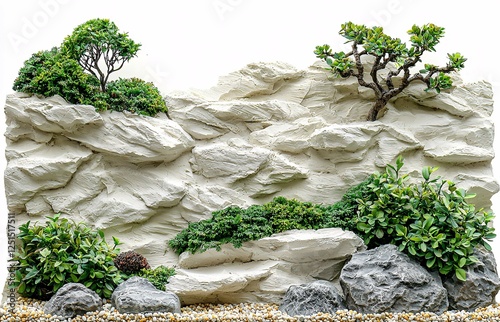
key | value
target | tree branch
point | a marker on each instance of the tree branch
(373, 73)
(360, 68)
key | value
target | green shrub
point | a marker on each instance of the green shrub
(287, 214)
(62, 252)
(136, 96)
(131, 262)
(230, 225)
(158, 276)
(431, 221)
(343, 213)
(49, 73)
(236, 225)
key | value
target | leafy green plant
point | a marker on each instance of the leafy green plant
(343, 214)
(134, 95)
(158, 276)
(431, 221)
(99, 41)
(50, 72)
(392, 58)
(62, 252)
(131, 262)
(236, 225)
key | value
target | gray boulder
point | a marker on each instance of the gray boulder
(312, 298)
(384, 279)
(73, 299)
(138, 295)
(481, 286)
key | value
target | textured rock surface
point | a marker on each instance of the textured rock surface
(264, 131)
(295, 246)
(481, 286)
(312, 298)
(385, 280)
(73, 299)
(138, 295)
(263, 270)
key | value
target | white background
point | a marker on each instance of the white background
(189, 43)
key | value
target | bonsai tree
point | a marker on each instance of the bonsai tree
(96, 40)
(385, 50)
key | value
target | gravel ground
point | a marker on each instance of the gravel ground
(32, 310)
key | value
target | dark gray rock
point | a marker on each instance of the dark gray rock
(312, 298)
(481, 286)
(73, 299)
(138, 295)
(384, 279)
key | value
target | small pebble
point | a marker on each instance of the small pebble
(32, 310)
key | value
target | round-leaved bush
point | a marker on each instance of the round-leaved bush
(431, 221)
(61, 252)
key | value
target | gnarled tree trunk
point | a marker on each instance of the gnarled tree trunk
(377, 107)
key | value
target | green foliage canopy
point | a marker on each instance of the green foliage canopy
(385, 50)
(96, 40)
(63, 252)
(134, 95)
(430, 221)
(50, 73)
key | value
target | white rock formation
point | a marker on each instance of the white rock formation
(264, 131)
(263, 270)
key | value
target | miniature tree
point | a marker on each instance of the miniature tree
(99, 39)
(386, 50)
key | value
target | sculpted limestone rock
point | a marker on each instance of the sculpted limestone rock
(263, 269)
(465, 100)
(483, 186)
(53, 115)
(135, 138)
(237, 161)
(385, 280)
(295, 246)
(200, 202)
(266, 130)
(290, 137)
(256, 79)
(37, 167)
(224, 160)
(312, 298)
(481, 286)
(138, 295)
(73, 299)
(225, 283)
